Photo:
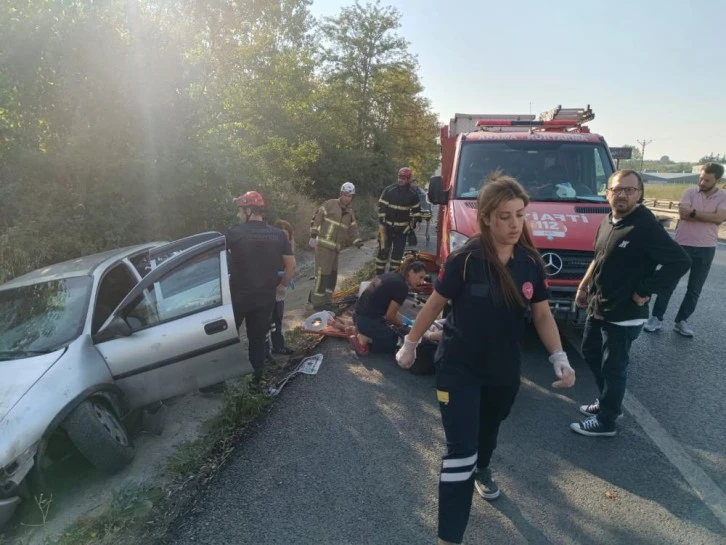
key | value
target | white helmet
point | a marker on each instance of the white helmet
(347, 188)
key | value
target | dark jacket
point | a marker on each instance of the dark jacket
(627, 255)
(399, 207)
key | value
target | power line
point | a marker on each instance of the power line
(642, 143)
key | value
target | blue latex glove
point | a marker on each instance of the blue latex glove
(291, 285)
(405, 320)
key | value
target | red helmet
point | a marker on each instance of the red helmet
(405, 172)
(250, 199)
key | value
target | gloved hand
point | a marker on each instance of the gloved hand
(405, 320)
(313, 242)
(563, 371)
(406, 355)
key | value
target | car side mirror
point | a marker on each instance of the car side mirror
(118, 327)
(437, 193)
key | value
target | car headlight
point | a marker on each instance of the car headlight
(13, 473)
(456, 241)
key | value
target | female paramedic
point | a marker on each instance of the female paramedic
(490, 282)
(377, 317)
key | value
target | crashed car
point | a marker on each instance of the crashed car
(85, 343)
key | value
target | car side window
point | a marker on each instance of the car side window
(190, 288)
(115, 285)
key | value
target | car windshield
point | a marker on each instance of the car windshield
(549, 171)
(42, 317)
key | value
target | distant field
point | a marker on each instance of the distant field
(667, 192)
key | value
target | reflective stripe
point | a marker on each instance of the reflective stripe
(397, 223)
(399, 207)
(459, 462)
(457, 477)
(327, 244)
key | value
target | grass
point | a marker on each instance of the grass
(366, 272)
(665, 192)
(129, 510)
(205, 454)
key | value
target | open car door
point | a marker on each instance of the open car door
(175, 331)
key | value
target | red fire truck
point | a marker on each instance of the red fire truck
(561, 164)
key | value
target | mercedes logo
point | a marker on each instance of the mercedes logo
(553, 263)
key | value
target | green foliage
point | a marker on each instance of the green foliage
(123, 122)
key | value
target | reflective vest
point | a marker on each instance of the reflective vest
(334, 226)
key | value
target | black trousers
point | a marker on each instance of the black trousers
(471, 415)
(391, 243)
(384, 338)
(701, 259)
(257, 322)
(276, 336)
(606, 349)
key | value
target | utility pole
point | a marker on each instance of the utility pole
(643, 143)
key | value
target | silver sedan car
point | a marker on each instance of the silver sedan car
(85, 342)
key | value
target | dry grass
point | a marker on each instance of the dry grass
(666, 192)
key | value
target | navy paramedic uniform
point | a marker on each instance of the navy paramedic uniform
(255, 250)
(478, 369)
(370, 313)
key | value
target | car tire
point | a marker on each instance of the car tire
(100, 436)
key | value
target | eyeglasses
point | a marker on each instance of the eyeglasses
(629, 191)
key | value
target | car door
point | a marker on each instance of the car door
(175, 332)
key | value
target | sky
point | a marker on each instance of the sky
(650, 69)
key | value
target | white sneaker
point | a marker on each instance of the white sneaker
(654, 324)
(682, 328)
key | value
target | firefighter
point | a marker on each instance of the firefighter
(257, 251)
(491, 282)
(399, 210)
(332, 229)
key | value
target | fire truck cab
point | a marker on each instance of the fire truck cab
(563, 167)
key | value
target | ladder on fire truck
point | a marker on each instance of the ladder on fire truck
(558, 113)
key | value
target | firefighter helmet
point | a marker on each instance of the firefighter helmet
(347, 188)
(251, 199)
(405, 172)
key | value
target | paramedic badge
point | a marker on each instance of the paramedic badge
(528, 290)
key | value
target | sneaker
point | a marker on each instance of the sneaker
(592, 427)
(593, 409)
(360, 348)
(283, 351)
(682, 328)
(654, 324)
(485, 485)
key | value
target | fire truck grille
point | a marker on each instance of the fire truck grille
(566, 264)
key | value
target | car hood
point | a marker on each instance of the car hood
(18, 376)
(554, 225)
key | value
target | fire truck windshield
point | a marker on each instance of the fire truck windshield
(548, 171)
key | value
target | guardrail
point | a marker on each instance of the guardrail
(662, 203)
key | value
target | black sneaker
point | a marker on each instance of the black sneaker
(592, 427)
(485, 485)
(593, 409)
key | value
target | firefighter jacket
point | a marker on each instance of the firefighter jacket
(399, 207)
(334, 226)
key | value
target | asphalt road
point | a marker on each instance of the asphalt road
(351, 455)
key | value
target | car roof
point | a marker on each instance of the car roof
(82, 266)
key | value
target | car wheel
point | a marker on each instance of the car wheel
(100, 436)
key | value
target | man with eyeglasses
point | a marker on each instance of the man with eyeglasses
(634, 258)
(702, 209)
